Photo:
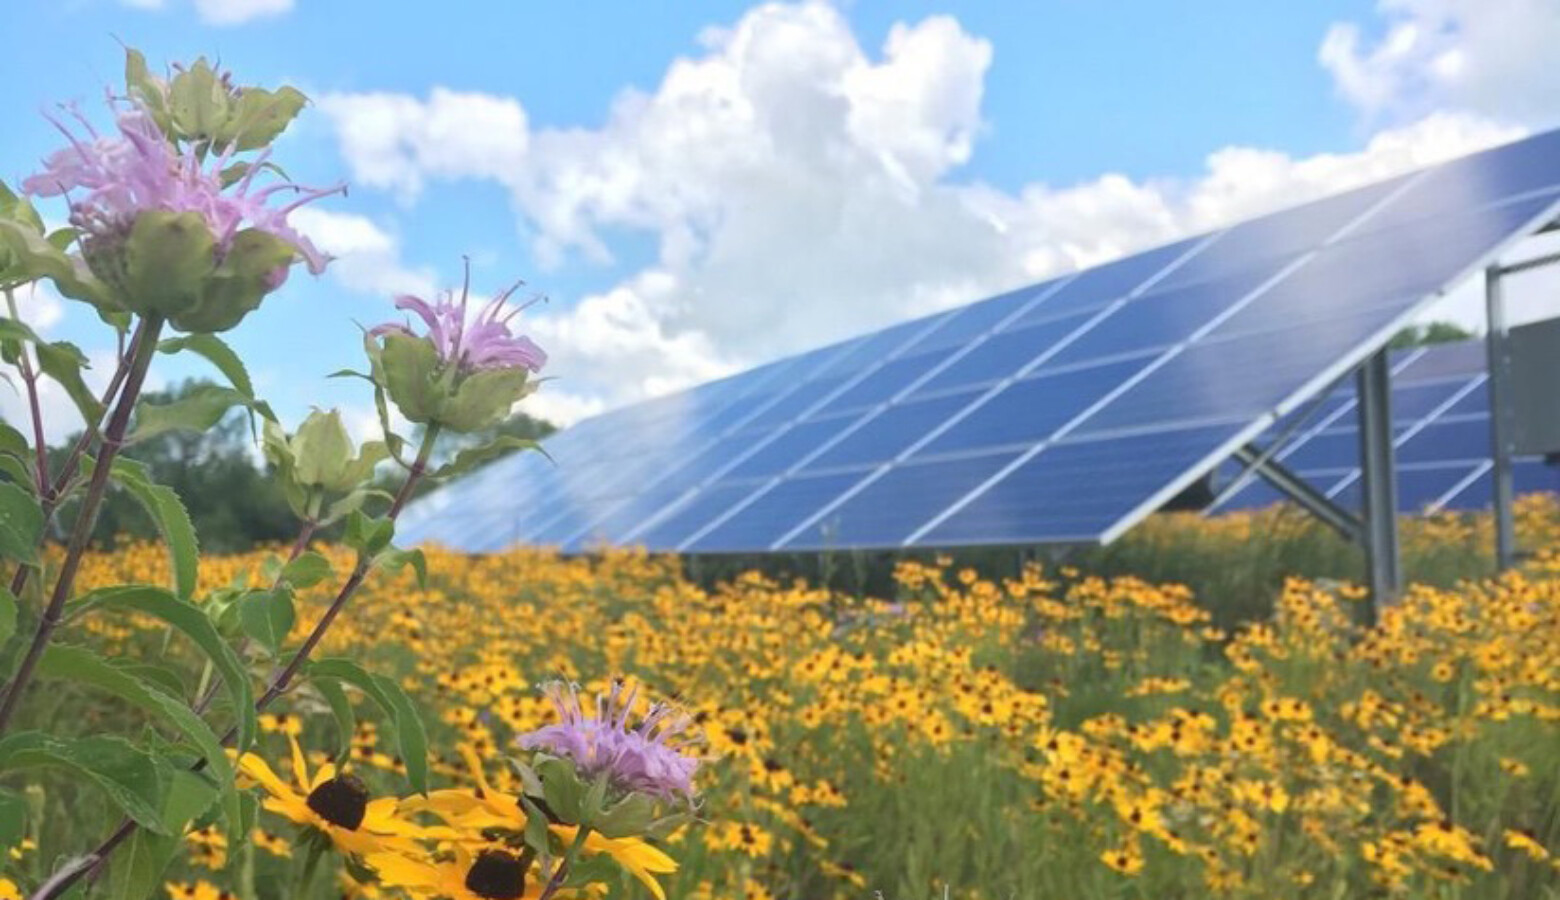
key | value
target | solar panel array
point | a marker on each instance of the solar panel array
(1441, 432)
(1061, 412)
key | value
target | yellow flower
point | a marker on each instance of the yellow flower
(640, 858)
(9, 890)
(491, 874)
(335, 805)
(485, 807)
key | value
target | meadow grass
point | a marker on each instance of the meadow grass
(1051, 731)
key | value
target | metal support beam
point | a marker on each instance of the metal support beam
(1378, 481)
(1502, 431)
(1299, 490)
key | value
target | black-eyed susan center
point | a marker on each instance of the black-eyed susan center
(496, 875)
(342, 801)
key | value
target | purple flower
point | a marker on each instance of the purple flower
(141, 170)
(647, 758)
(484, 342)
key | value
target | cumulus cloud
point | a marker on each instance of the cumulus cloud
(224, 12)
(1495, 57)
(367, 257)
(800, 189)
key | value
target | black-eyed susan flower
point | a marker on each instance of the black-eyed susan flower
(488, 874)
(334, 804)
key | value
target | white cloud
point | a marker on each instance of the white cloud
(367, 257)
(224, 12)
(1494, 57)
(801, 189)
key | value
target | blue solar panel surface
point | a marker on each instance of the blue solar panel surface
(1060, 412)
(1441, 426)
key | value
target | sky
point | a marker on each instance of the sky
(698, 188)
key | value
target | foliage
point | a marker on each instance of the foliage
(172, 240)
(1432, 333)
(1052, 734)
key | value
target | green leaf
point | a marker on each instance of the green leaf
(7, 615)
(13, 818)
(199, 101)
(367, 535)
(132, 779)
(198, 410)
(484, 398)
(138, 867)
(306, 570)
(14, 443)
(21, 523)
(411, 737)
(63, 362)
(35, 256)
(192, 621)
(218, 353)
(162, 503)
(472, 457)
(536, 830)
(261, 115)
(267, 617)
(351, 503)
(82, 666)
(168, 257)
(392, 560)
(341, 709)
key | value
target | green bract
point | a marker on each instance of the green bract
(319, 458)
(429, 391)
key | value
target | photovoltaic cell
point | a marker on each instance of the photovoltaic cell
(1062, 411)
(1440, 413)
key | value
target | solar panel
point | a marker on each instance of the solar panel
(1060, 412)
(1441, 424)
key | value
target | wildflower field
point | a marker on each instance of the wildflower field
(1048, 735)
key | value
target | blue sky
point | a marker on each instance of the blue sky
(700, 187)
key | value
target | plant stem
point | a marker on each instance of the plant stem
(76, 869)
(562, 872)
(30, 378)
(86, 519)
(56, 493)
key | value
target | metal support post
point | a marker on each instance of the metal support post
(1301, 492)
(1502, 432)
(1379, 480)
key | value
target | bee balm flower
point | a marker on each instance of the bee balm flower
(462, 373)
(180, 233)
(646, 758)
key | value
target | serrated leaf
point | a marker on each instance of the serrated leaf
(411, 737)
(127, 775)
(306, 570)
(472, 457)
(199, 410)
(193, 623)
(267, 617)
(215, 351)
(21, 523)
(138, 866)
(82, 666)
(162, 503)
